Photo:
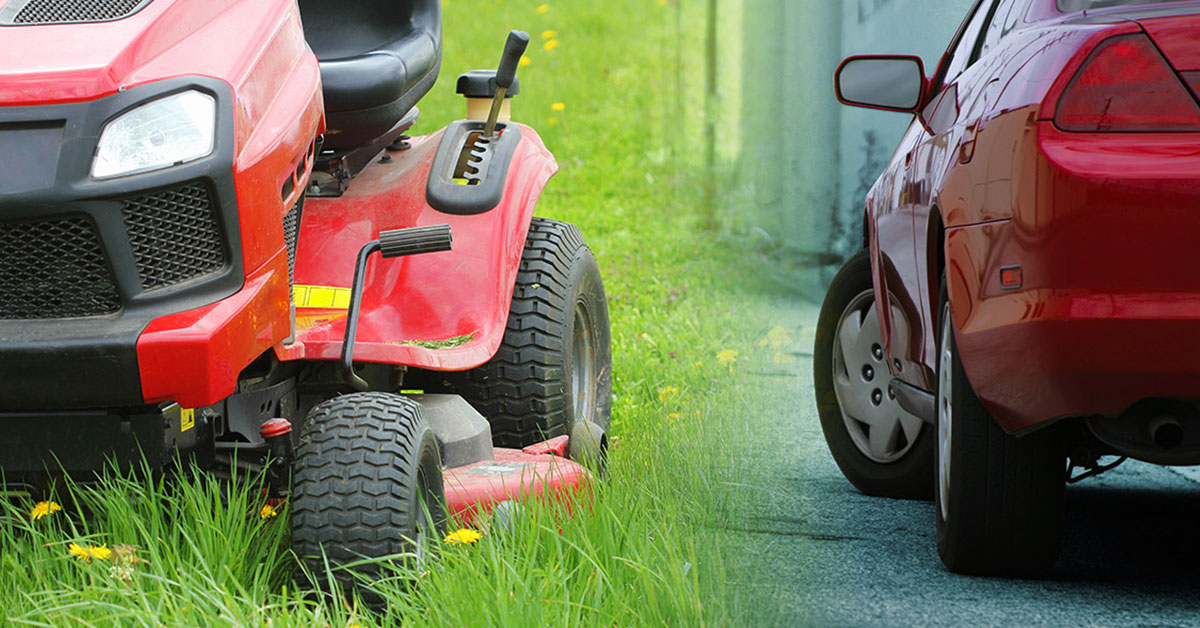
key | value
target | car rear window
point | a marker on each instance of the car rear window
(1071, 6)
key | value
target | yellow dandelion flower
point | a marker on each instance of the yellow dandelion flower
(268, 512)
(552, 121)
(667, 393)
(548, 34)
(674, 416)
(85, 553)
(44, 509)
(727, 357)
(550, 45)
(464, 536)
(558, 106)
(524, 61)
(542, 9)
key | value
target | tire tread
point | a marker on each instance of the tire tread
(518, 390)
(353, 479)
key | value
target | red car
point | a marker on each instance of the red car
(1027, 300)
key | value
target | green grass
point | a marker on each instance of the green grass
(651, 549)
(448, 343)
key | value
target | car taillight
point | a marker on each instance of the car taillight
(1193, 79)
(1127, 85)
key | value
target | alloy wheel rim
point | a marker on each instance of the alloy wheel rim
(880, 429)
(945, 413)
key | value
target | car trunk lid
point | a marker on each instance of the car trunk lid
(1178, 37)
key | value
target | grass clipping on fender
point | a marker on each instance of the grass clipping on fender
(648, 547)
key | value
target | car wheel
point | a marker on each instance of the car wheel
(998, 498)
(881, 448)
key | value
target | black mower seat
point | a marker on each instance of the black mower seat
(377, 58)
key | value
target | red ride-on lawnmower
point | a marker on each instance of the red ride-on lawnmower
(192, 197)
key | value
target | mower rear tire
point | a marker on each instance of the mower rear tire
(367, 483)
(553, 371)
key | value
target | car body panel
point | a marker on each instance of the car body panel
(984, 165)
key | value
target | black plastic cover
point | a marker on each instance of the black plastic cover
(82, 443)
(482, 84)
(91, 362)
(448, 196)
(463, 433)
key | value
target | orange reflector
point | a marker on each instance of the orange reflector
(1010, 277)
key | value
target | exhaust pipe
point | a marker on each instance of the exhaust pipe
(1155, 430)
(1166, 431)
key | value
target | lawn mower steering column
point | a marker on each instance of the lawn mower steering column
(391, 243)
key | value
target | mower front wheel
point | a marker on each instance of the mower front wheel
(367, 483)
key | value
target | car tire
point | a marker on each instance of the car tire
(367, 483)
(853, 401)
(998, 498)
(552, 375)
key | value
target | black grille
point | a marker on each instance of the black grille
(174, 235)
(74, 11)
(54, 269)
(291, 233)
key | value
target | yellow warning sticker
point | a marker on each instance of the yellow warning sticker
(187, 419)
(322, 297)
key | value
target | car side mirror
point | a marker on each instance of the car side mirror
(887, 82)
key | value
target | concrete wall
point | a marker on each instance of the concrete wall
(790, 130)
(807, 161)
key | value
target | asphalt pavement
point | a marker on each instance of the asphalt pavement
(818, 553)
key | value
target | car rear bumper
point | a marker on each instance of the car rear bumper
(1045, 355)
(1108, 312)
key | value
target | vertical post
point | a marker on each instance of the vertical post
(710, 118)
(679, 84)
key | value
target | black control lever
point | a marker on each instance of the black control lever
(391, 243)
(514, 48)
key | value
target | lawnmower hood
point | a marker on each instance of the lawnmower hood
(57, 51)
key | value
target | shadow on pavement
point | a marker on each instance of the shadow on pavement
(1139, 537)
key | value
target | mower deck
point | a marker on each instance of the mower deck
(514, 474)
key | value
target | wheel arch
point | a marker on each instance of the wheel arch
(935, 250)
(866, 227)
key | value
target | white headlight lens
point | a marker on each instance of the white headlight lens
(157, 135)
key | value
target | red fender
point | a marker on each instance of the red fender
(465, 292)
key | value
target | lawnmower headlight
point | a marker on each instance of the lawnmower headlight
(158, 134)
